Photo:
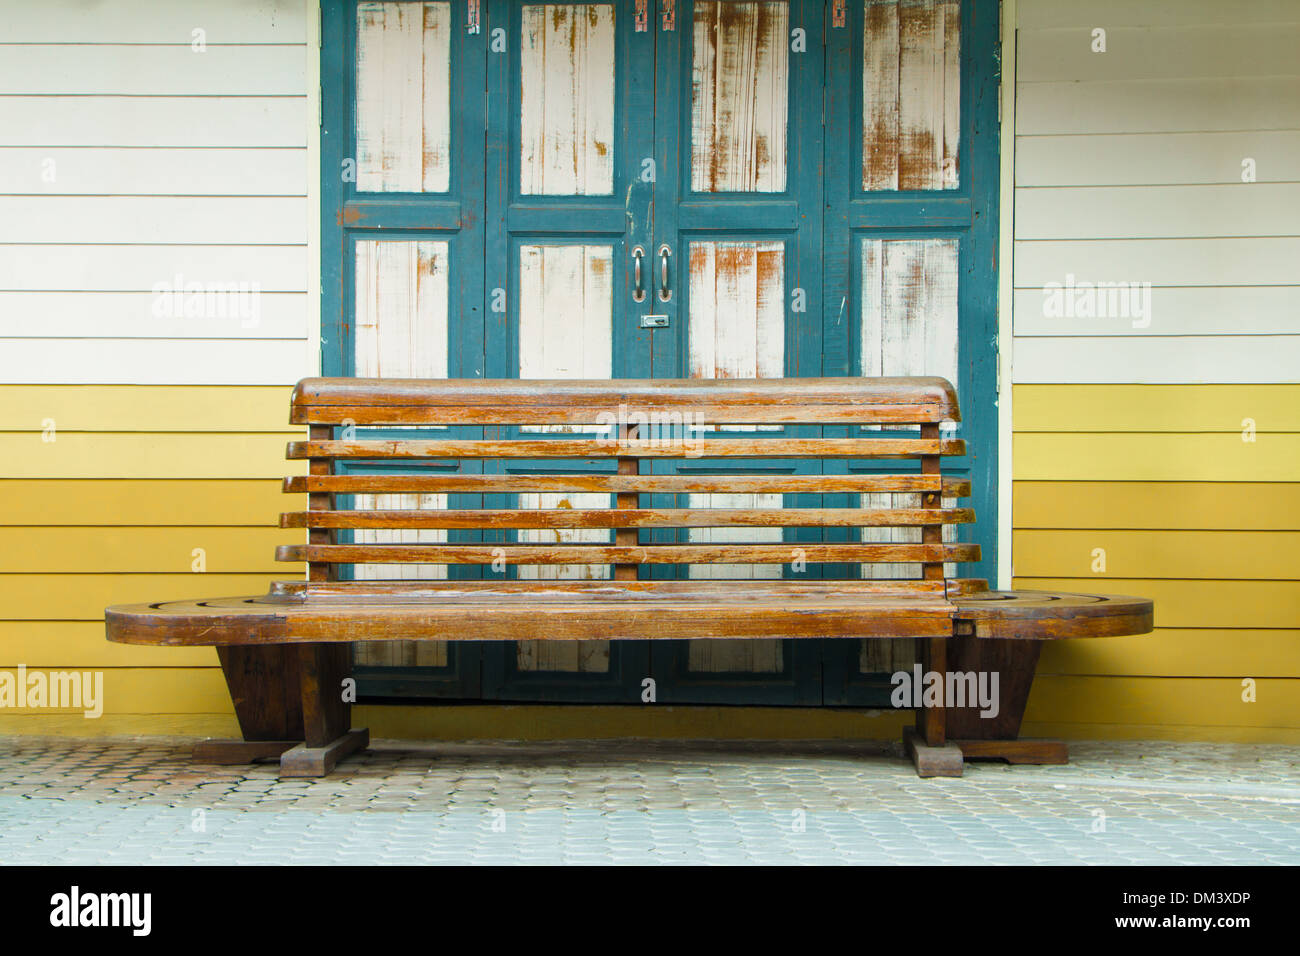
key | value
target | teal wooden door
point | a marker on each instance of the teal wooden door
(674, 188)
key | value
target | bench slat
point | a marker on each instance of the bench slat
(596, 448)
(630, 518)
(730, 553)
(950, 487)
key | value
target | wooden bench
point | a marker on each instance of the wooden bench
(287, 654)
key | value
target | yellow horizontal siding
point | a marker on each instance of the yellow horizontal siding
(1155, 408)
(153, 690)
(54, 644)
(1185, 505)
(156, 501)
(1179, 652)
(145, 408)
(127, 454)
(1164, 701)
(1193, 603)
(83, 597)
(165, 550)
(1129, 456)
(1189, 515)
(1157, 554)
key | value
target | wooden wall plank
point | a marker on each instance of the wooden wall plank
(1191, 212)
(1194, 603)
(137, 268)
(1154, 457)
(146, 408)
(1157, 359)
(1202, 310)
(1219, 555)
(68, 645)
(261, 220)
(1040, 14)
(147, 501)
(154, 70)
(168, 550)
(148, 455)
(1158, 106)
(1156, 408)
(739, 96)
(1139, 159)
(566, 309)
(73, 596)
(1163, 701)
(151, 691)
(1184, 505)
(1179, 652)
(1167, 51)
(567, 100)
(158, 21)
(131, 315)
(119, 171)
(248, 121)
(31, 361)
(1162, 262)
(880, 74)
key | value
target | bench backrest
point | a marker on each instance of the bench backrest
(553, 477)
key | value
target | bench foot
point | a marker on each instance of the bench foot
(1016, 751)
(240, 751)
(931, 761)
(304, 761)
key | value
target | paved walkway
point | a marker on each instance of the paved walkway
(143, 801)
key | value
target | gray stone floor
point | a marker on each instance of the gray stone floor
(143, 801)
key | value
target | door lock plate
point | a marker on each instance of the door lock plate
(654, 321)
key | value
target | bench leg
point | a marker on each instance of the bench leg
(998, 737)
(328, 735)
(927, 744)
(264, 687)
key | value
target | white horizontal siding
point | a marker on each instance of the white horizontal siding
(53, 315)
(156, 21)
(1046, 14)
(137, 268)
(1238, 49)
(154, 121)
(146, 70)
(158, 171)
(1225, 359)
(1129, 168)
(1157, 106)
(1159, 212)
(154, 361)
(149, 147)
(214, 220)
(1136, 159)
(1176, 310)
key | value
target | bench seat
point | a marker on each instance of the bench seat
(623, 610)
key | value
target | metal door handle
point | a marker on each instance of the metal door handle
(665, 293)
(638, 286)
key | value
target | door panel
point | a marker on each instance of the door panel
(739, 96)
(807, 186)
(403, 103)
(911, 94)
(566, 107)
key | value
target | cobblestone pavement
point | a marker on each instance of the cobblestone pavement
(143, 801)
